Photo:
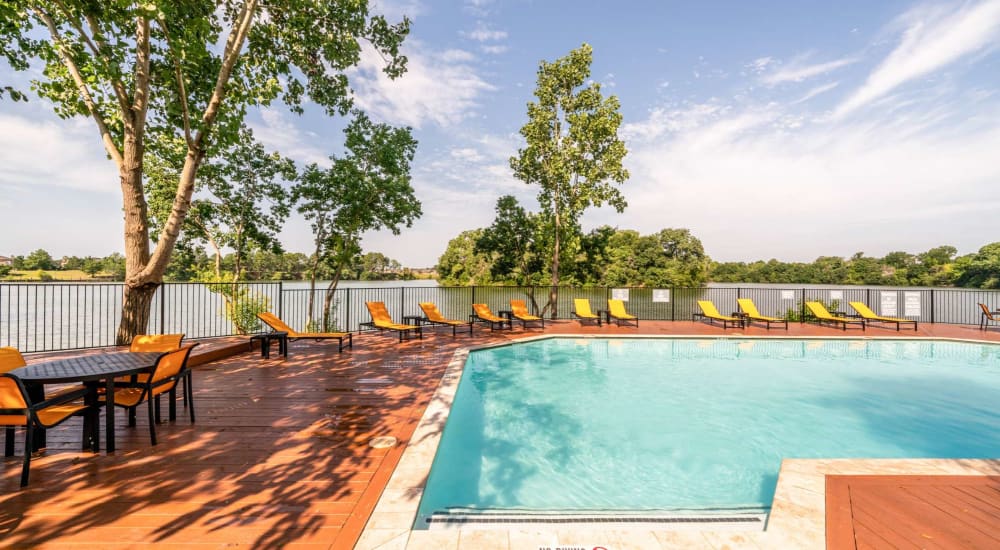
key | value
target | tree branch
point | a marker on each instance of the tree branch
(116, 84)
(88, 100)
(181, 89)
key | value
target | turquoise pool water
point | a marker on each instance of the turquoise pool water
(665, 425)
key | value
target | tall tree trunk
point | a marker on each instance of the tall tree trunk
(331, 290)
(554, 291)
(139, 291)
(312, 282)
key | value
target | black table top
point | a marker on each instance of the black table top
(98, 366)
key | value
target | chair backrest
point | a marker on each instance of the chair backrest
(156, 342)
(170, 364)
(987, 312)
(617, 308)
(862, 309)
(431, 311)
(708, 308)
(12, 396)
(483, 310)
(519, 308)
(10, 359)
(819, 310)
(378, 312)
(272, 321)
(582, 306)
(748, 307)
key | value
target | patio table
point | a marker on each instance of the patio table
(91, 370)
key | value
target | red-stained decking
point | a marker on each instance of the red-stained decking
(865, 512)
(279, 454)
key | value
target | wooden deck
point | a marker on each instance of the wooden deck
(877, 512)
(279, 455)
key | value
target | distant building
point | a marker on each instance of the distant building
(4, 260)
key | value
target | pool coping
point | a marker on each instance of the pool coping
(798, 510)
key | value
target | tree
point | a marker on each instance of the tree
(461, 265)
(246, 203)
(572, 150)
(982, 269)
(366, 190)
(39, 259)
(179, 77)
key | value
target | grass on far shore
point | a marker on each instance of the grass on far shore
(53, 275)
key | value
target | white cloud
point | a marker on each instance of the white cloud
(931, 40)
(760, 64)
(395, 10)
(821, 89)
(479, 8)
(494, 49)
(45, 151)
(796, 71)
(440, 87)
(754, 181)
(483, 33)
(279, 133)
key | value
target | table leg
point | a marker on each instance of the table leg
(109, 415)
(92, 421)
(36, 392)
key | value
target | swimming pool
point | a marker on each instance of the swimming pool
(685, 425)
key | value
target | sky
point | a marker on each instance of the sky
(774, 129)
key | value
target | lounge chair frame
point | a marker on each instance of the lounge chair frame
(619, 320)
(828, 317)
(589, 314)
(751, 314)
(870, 316)
(985, 317)
(277, 325)
(445, 322)
(525, 317)
(714, 315)
(493, 322)
(389, 324)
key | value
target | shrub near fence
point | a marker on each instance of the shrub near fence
(60, 316)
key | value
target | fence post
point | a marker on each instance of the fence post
(802, 314)
(673, 303)
(163, 308)
(348, 316)
(473, 297)
(402, 301)
(932, 305)
(281, 299)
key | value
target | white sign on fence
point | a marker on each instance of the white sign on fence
(836, 294)
(911, 304)
(661, 295)
(888, 301)
(619, 294)
(787, 294)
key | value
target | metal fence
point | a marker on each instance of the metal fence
(60, 316)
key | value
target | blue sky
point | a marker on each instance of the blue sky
(770, 129)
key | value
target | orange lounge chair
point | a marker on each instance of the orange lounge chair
(821, 314)
(481, 314)
(278, 325)
(520, 312)
(751, 313)
(583, 312)
(433, 315)
(869, 316)
(986, 317)
(381, 320)
(708, 311)
(616, 311)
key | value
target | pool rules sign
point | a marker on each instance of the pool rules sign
(888, 304)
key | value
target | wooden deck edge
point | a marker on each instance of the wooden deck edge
(219, 351)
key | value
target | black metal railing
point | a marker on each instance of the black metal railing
(61, 316)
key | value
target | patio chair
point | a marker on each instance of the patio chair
(433, 315)
(751, 314)
(520, 312)
(616, 311)
(481, 314)
(11, 358)
(161, 342)
(169, 370)
(278, 325)
(986, 317)
(17, 410)
(708, 311)
(821, 314)
(381, 320)
(869, 316)
(581, 310)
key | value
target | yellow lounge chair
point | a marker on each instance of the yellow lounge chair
(583, 312)
(381, 320)
(433, 315)
(709, 312)
(750, 311)
(520, 312)
(278, 325)
(869, 315)
(616, 311)
(821, 314)
(481, 313)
